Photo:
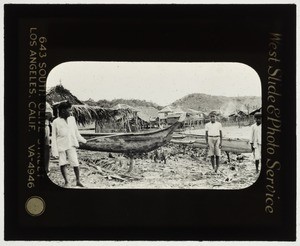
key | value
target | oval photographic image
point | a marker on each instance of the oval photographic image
(153, 125)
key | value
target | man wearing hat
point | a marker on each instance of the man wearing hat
(65, 140)
(213, 136)
(255, 139)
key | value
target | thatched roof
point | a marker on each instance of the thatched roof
(239, 113)
(195, 117)
(193, 111)
(153, 119)
(179, 110)
(255, 111)
(59, 93)
(143, 116)
(173, 115)
(83, 113)
(125, 106)
(166, 109)
(147, 113)
(217, 112)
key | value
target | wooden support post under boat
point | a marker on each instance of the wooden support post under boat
(227, 153)
(131, 161)
(130, 165)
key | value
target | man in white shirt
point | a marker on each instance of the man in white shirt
(213, 136)
(255, 139)
(48, 117)
(65, 140)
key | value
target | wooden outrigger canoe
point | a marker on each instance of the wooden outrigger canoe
(130, 142)
(234, 145)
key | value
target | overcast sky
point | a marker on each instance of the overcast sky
(159, 82)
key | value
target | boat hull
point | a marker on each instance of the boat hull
(234, 145)
(129, 142)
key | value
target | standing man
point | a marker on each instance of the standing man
(65, 140)
(255, 139)
(213, 136)
(48, 117)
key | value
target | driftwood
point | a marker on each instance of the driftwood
(110, 174)
(106, 173)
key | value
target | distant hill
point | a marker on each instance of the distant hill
(227, 105)
(131, 102)
(197, 101)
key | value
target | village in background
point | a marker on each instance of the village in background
(133, 115)
(179, 163)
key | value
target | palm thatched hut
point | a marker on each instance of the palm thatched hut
(126, 119)
(251, 115)
(84, 114)
(117, 120)
(147, 117)
(194, 118)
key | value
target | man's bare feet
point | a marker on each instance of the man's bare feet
(78, 183)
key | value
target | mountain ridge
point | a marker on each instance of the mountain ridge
(227, 105)
(197, 101)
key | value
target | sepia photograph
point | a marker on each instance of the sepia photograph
(151, 125)
(166, 122)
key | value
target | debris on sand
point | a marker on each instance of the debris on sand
(172, 166)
